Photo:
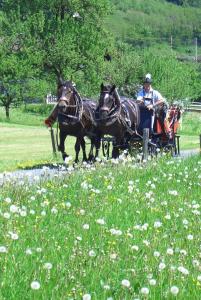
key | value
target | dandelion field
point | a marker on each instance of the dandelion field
(106, 231)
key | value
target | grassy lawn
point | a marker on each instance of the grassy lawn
(110, 231)
(25, 141)
(22, 146)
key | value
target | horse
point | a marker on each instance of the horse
(116, 117)
(75, 118)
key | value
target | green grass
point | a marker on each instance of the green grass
(191, 124)
(150, 219)
(30, 144)
(18, 117)
(23, 146)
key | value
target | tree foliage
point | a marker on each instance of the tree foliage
(62, 37)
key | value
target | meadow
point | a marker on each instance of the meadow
(26, 142)
(111, 231)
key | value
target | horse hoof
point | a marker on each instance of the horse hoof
(64, 155)
(91, 158)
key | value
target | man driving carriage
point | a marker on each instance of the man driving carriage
(150, 98)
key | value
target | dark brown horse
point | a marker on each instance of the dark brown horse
(116, 117)
(75, 118)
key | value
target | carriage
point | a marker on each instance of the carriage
(114, 124)
(147, 142)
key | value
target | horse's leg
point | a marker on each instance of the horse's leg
(97, 143)
(77, 150)
(83, 145)
(62, 136)
(91, 155)
(119, 142)
(115, 150)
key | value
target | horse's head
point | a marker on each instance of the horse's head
(65, 95)
(107, 100)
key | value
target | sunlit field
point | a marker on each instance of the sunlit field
(113, 230)
(25, 141)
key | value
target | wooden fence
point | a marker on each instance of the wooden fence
(194, 107)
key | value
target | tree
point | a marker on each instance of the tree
(63, 37)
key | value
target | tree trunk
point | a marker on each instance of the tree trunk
(7, 108)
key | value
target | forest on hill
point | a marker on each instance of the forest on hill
(145, 23)
(91, 42)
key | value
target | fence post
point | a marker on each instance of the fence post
(53, 141)
(145, 143)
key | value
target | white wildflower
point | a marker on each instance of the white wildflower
(100, 221)
(85, 226)
(144, 291)
(125, 283)
(157, 224)
(170, 251)
(92, 253)
(174, 290)
(35, 285)
(190, 237)
(3, 249)
(152, 281)
(183, 270)
(86, 297)
(161, 266)
(48, 266)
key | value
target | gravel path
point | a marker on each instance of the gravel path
(44, 173)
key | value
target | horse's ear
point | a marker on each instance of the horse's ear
(102, 86)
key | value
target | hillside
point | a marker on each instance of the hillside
(148, 23)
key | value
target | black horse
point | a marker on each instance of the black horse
(75, 118)
(116, 117)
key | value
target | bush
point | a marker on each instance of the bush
(41, 109)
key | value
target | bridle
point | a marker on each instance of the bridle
(113, 112)
(77, 115)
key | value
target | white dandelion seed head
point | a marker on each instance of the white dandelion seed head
(48, 266)
(183, 270)
(152, 281)
(92, 253)
(190, 237)
(125, 283)
(156, 254)
(68, 204)
(3, 249)
(14, 236)
(8, 200)
(161, 266)
(170, 251)
(157, 224)
(35, 285)
(85, 226)
(199, 278)
(113, 256)
(6, 215)
(86, 297)
(135, 247)
(174, 290)
(28, 251)
(14, 208)
(144, 291)
(54, 210)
